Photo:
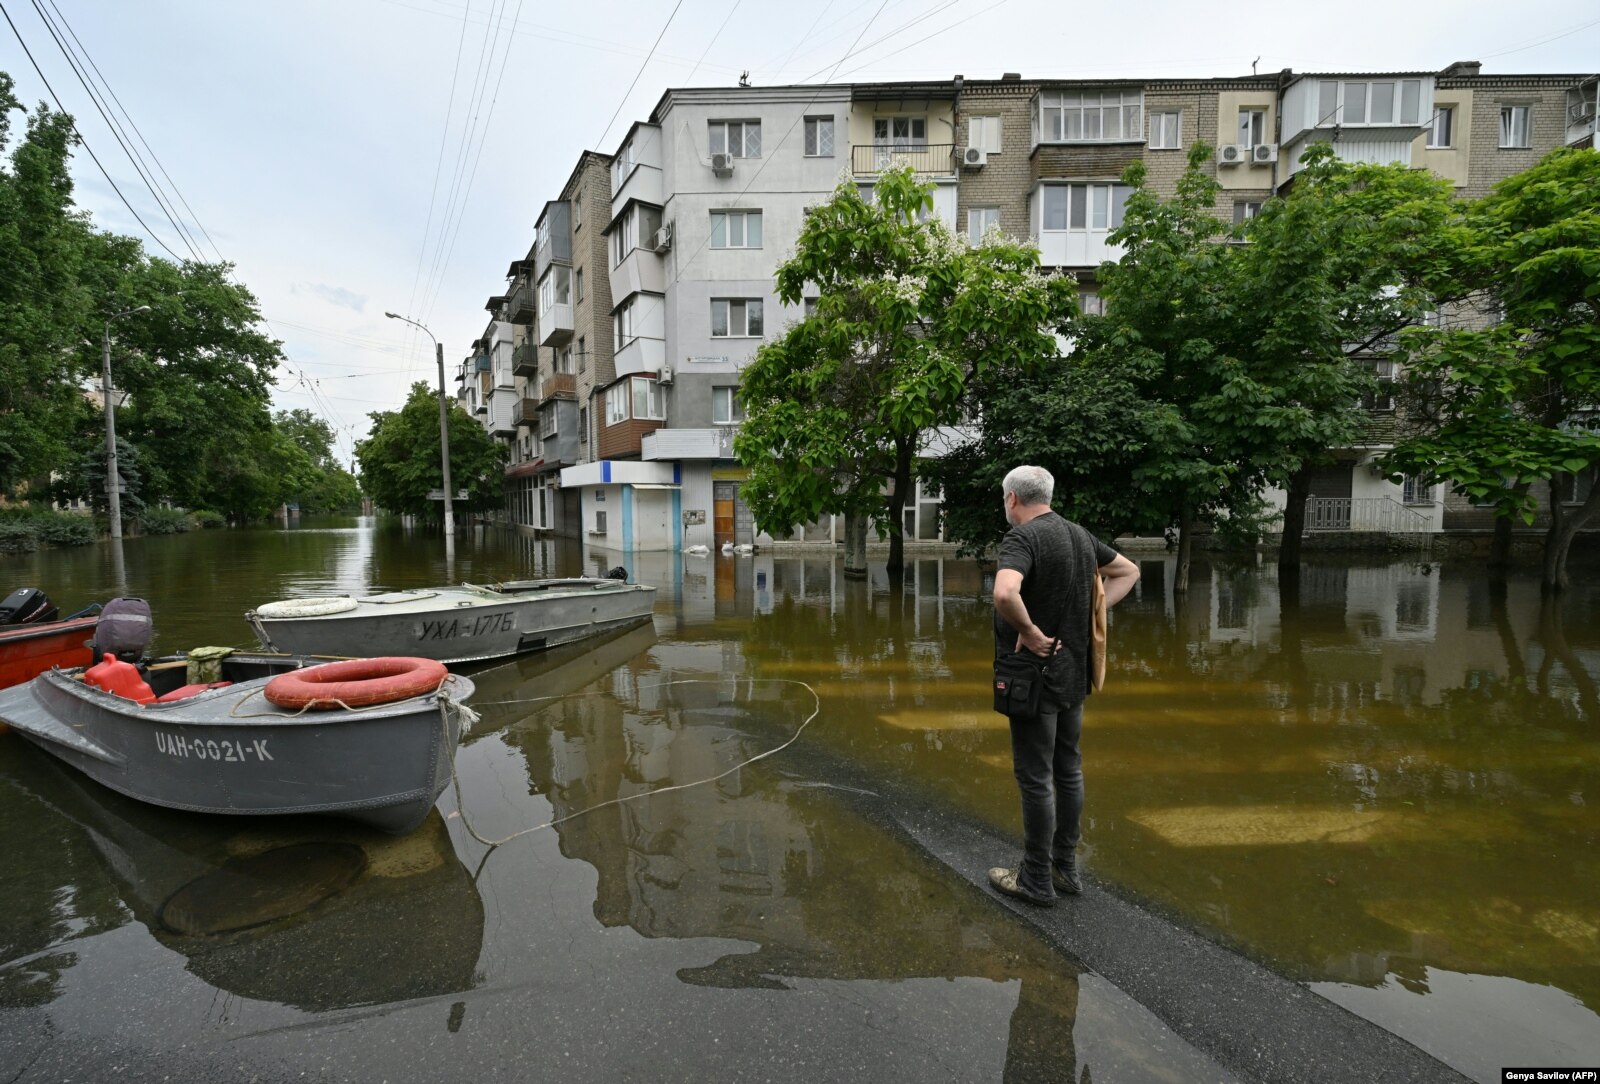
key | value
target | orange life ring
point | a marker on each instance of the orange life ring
(356, 683)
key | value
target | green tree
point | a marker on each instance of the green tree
(908, 317)
(400, 461)
(1503, 407)
(44, 311)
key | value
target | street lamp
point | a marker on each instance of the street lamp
(113, 476)
(444, 428)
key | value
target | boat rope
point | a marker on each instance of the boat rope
(461, 806)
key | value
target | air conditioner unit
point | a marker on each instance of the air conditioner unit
(662, 240)
(1580, 111)
(1263, 153)
(664, 376)
(722, 164)
(1230, 154)
(974, 157)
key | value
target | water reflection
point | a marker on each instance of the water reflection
(1378, 777)
(84, 861)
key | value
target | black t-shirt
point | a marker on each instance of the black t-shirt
(1056, 559)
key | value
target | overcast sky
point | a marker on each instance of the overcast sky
(305, 136)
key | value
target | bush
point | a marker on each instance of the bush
(208, 520)
(67, 529)
(1245, 528)
(18, 536)
(157, 520)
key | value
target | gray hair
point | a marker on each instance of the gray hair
(1032, 485)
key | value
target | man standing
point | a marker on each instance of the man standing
(1042, 604)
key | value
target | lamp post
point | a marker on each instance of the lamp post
(113, 476)
(444, 429)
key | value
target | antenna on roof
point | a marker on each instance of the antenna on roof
(1253, 64)
(744, 78)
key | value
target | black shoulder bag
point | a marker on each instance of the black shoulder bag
(1019, 681)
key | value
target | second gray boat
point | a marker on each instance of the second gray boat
(454, 624)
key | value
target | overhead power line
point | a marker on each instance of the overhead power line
(96, 158)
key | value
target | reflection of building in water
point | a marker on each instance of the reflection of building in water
(790, 870)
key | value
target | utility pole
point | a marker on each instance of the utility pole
(444, 432)
(113, 476)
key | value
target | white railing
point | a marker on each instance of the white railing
(1383, 514)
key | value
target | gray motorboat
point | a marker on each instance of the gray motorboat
(454, 624)
(230, 750)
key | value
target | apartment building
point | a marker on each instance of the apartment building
(651, 279)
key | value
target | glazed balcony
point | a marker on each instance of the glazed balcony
(525, 360)
(556, 325)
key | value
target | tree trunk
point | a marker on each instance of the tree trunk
(855, 546)
(1564, 526)
(897, 505)
(1180, 583)
(1500, 545)
(1294, 518)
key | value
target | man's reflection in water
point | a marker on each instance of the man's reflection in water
(1039, 1047)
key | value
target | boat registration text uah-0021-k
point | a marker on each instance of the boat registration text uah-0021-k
(226, 750)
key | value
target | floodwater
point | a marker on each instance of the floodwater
(1380, 781)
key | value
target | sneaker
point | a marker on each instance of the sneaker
(1065, 878)
(1005, 882)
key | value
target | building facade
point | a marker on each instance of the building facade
(611, 363)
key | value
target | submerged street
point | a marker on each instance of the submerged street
(1343, 835)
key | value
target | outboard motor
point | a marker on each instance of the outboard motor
(125, 630)
(26, 606)
(618, 573)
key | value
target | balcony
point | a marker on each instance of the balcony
(527, 412)
(525, 360)
(641, 355)
(929, 159)
(519, 304)
(555, 325)
(682, 444)
(559, 386)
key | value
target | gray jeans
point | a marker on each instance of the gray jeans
(1049, 771)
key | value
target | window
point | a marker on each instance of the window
(1165, 131)
(1381, 101)
(647, 399)
(811, 305)
(617, 403)
(905, 133)
(624, 321)
(599, 522)
(1439, 130)
(577, 212)
(984, 133)
(1091, 303)
(1514, 126)
(1084, 206)
(583, 425)
(740, 138)
(555, 289)
(819, 137)
(622, 166)
(577, 283)
(725, 406)
(563, 361)
(980, 220)
(1381, 399)
(1245, 210)
(736, 318)
(1413, 490)
(1081, 116)
(547, 421)
(735, 229)
(1252, 126)
(583, 353)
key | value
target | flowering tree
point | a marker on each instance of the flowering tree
(908, 316)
